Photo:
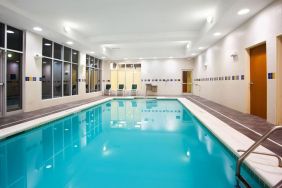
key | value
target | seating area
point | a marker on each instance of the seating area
(121, 90)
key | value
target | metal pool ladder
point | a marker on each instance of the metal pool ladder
(249, 151)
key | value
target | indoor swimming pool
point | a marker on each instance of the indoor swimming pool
(120, 144)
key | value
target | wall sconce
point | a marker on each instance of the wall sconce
(234, 56)
(37, 57)
(205, 66)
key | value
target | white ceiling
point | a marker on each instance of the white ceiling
(131, 28)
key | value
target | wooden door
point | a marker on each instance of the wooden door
(258, 83)
(187, 81)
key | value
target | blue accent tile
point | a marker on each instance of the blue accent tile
(26, 78)
(33, 78)
(270, 75)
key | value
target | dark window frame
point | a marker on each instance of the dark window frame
(94, 70)
(65, 58)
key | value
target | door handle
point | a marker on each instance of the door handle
(1, 84)
(251, 83)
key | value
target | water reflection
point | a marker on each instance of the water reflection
(26, 160)
(146, 115)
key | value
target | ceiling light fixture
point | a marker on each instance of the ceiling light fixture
(188, 46)
(69, 42)
(10, 55)
(125, 58)
(217, 34)
(243, 11)
(140, 58)
(47, 44)
(210, 19)
(10, 32)
(92, 52)
(201, 48)
(170, 57)
(67, 28)
(37, 29)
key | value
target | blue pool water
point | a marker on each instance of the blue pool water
(119, 144)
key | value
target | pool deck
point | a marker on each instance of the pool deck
(27, 116)
(249, 125)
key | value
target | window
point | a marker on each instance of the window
(67, 79)
(14, 39)
(47, 48)
(127, 74)
(59, 70)
(87, 74)
(75, 56)
(2, 35)
(46, 78)
(57, 82)
(14, 67)
(58, 49)
(93, 74)
(11, 42)
(67, 54)
(74, 79)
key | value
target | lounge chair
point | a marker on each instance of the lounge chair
(134, 89)
(120, 89)
(107, 90)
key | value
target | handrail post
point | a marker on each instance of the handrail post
(252, 148)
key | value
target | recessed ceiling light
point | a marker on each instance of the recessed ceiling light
(69, 42)
(243, 11)
(125, 58)
(217, 34)
(193, 54)
(67, 28)
(170, 57)
(37, 29)
(47, 44)
(188, 46)
(140, 58)
(210, 19)
(201, 48)
(10, 32)
(92, 52)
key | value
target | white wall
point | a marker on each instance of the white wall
(264, 27)
(158, 69)
(279, 78)
(32, 94)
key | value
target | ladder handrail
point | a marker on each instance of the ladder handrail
(252, 148)
(267, 154)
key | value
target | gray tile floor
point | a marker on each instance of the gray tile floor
(240, 121)
(27, 116)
